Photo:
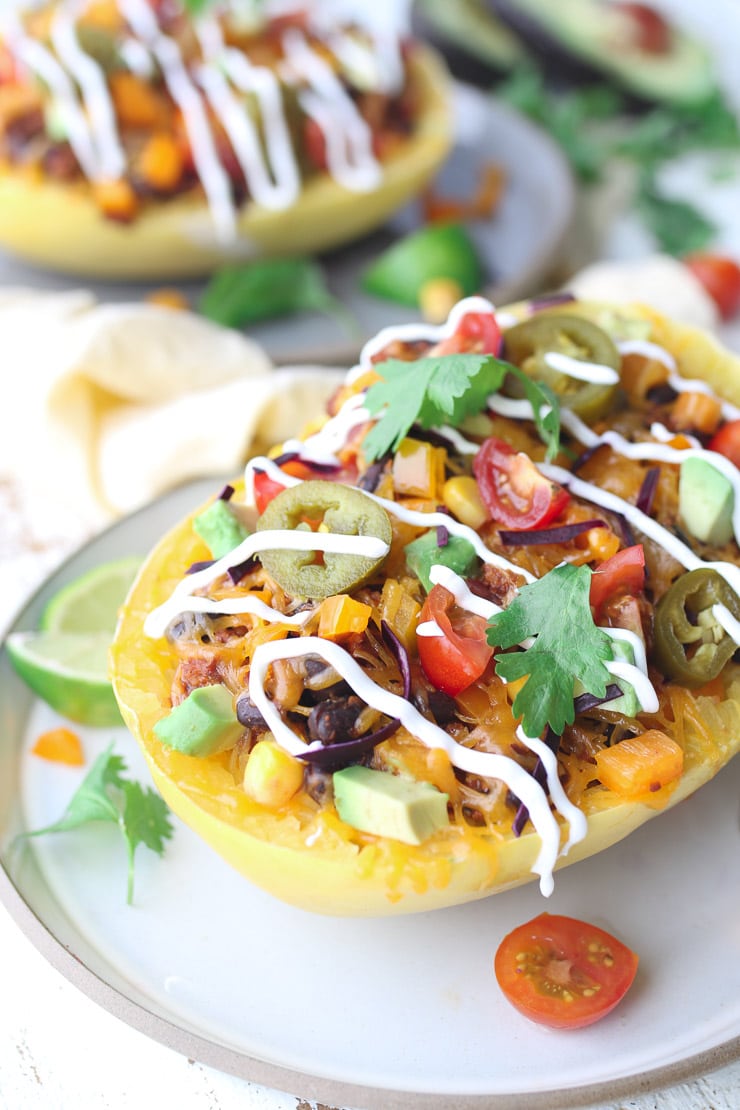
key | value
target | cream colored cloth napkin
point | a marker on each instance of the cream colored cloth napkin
(107, 406)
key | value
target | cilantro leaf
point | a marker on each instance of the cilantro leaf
(444, 390)
(105, 795)
(145, 820)
(567, 646)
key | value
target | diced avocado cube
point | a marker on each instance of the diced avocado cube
(389, 805)
(204, 724)
(628, 703)
(706, 500)
(423, 553)
(219, 528)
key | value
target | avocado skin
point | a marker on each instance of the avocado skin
(562, 63)
(471, 56)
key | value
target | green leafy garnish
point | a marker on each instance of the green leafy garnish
(594, 129)
(105, 795)
(567, 646)
(268, 288)
(446, 389)
(678, 226)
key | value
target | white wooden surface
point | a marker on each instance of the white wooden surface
(59, 1050)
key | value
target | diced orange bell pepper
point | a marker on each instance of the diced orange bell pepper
(161, 162)
(137, 102)
(60, 745)
(116, 200)
(640, 765)
(696, 412)
(419, 469)
(341, 616)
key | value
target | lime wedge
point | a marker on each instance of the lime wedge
(69, 671)
(91, 602)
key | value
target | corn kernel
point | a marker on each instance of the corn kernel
(169, 298)
(272, 776)
(462, 497)
(437, 298)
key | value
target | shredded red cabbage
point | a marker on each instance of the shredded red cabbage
(646, 496)
(226, 493)
(319, 467)
(334, 756)
(241, 569)
(584, 457)
(550, 300)
(202, 565)
(402, 656)
(443, 535)
(562, 533)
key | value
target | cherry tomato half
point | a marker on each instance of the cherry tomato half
(454, 660)
(720, 277)
(512, 488)
(562, 972)
(477, 333)
(652, 32)
(727, 441)
(624, 573)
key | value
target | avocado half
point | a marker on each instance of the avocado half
(586, 38)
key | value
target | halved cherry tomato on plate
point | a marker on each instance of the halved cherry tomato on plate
(512, 488)
(623, 574)
(727, 441)
(454, 660)
(476, 332)
(562, 972)
(720, 277)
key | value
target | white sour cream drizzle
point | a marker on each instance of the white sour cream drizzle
(183, 600)
(680, 552)
(635, 674)
(347, 137)
(92, 129)
(412, 333)
(489, 764)
(213, 177)
(90, 79)
(278, 187)
(681, 385)
(45, 66)
(657, 452)
(581, 369)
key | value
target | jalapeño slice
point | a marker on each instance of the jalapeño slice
(528, 344)
(331, 507)
(691, 646)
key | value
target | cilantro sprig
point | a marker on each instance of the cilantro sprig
(105, 795)
(445, 389)
(567, 647)
(595, 128)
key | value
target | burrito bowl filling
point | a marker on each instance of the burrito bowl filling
(140, 102)
(496, 589)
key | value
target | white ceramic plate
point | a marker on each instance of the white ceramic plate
(389, 1013)
(519, 246)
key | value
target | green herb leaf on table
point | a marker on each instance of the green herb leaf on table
(567, 646)
(105, 795)
(445, 390)
(269, 288)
